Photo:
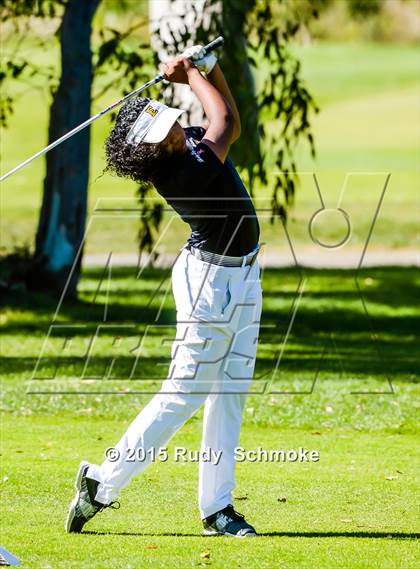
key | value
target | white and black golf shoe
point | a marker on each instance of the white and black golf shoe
(84, 506)
(228, 522)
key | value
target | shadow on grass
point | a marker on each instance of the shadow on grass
(332, 298)
(352, 534)
(329, 328)
(316, 534)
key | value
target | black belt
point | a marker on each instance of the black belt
(223, 260)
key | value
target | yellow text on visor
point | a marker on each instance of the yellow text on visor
(153, 123)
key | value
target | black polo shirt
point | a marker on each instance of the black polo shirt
(209, 195)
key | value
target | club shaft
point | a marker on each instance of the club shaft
(208, 48)
(81, 126)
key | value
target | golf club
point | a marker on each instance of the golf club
(208, 48)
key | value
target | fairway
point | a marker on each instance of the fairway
(354, 508)
(356, 502)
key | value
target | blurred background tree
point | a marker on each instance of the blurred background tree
(62, 217)
(63, 212)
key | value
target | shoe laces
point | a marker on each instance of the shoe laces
(113, 505)
(234, 514)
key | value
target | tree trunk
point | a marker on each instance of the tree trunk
(63, 213)
(246, 152)
(208, 19)
(165, 19)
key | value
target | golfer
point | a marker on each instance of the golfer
(216, 286)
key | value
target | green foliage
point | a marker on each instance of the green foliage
(14, 266)
(129, 62)
(36, 8)
(364, 8)
(17, 16)
(131, 65)
(253, 39)
(150, 219)
(6, 105)
(111, 53)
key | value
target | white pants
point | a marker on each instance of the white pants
(213, 359)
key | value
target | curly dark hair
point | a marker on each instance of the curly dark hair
(142, 163)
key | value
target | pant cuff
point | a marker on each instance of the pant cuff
(215, 507)
(105, 493)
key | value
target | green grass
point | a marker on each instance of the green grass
(339, 512)
(354, 508)
(338, 72)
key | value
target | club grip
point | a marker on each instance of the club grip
(214, 44)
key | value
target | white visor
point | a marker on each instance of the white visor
(153, 123)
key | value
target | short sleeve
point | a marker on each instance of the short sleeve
(195, 132)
